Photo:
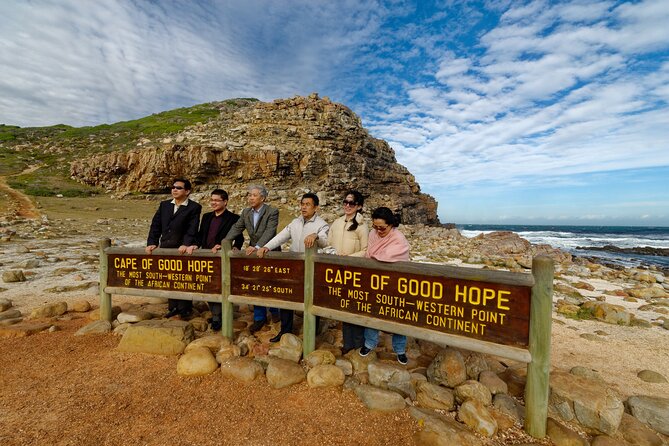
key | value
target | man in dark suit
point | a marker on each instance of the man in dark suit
(214, 226)
(260, 221)
(175, 226)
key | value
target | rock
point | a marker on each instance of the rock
(651, 410)
(475, 415)
(228, 351)
(198, 361)
(382, 374)
(22, 330)
(647, 292)
(650, 376)
(515, 379)
(475, 364)
(80, 306)
(440, 430)
(562, 435)
(319, 357)
(596, 407)
(95, 314)
(94, 328)
(325, 375)
(132, 316)
(503, 420)
(605, 440)
(199, 323)
(120, 329)
(493, 382)
(509, 406)
(5, 304)
(158, 337)
(49, 310)
(448, 368)
(284, 372)
(380, 399)
(612, 314)
(432, 396)
(637, 433)
(11, 276)
(586, 373)
(10, 314)
(10, 321)
(328, 149)
(29, 264)
(345, 365)
(244, 370)
(212, 342)
(289, 347)
(473, 390)
(360, 363)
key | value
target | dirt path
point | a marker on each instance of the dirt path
(19, 203)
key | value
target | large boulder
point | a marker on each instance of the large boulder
(440, 430)
(158, 337)
(448, 368)
(652, 410)
(283, 373)
(380, 399)
(325, 375)
(241, 369)
(289, 347)
(432, 396)
(594, 405)
(49, 310)
(475, 415)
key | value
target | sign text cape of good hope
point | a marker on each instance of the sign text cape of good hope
(494, 312)
(165, 273)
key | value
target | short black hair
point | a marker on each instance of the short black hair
(311, 195)
(221, 193)
(187, 184)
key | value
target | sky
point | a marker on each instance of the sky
(507, 112)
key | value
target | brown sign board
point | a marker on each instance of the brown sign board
(281, 279)
(491, 312)
(189, 274)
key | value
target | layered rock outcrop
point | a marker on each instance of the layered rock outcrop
(289, 145)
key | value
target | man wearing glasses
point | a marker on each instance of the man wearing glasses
(175, 226)
(214, 226)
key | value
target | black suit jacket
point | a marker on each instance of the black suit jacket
(229, 219)
(263, 233)
(170, 229)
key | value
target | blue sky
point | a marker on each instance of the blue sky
(505, 111)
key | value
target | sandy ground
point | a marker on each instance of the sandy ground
(59, 389)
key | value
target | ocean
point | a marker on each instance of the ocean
(570, 238)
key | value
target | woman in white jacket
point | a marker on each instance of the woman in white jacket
(348, 236)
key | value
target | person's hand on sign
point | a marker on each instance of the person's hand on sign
(216, 248)
(250, 250)
(183, 249)
(190, 249)
(261, 252)
(310, 239)
(149, 249)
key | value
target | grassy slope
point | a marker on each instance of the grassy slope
(52, 148)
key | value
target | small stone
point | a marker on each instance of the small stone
(448, 368)
(562, 435)
(325, 375)
(12, 276)
(5, 304)
(345, 365)
(22, 330)
(10, 314)
(49, 310)
(80, 306)
(319, 357)
(289, 347)
(96, 327)
(493, 382)
(433, 396)
(586, 373)
(212, 342)
(244, 370)
(650, 376)
(475, 415)
(198, 361)
(283, 373)
(473, 390)
(132, 316)
(380, 399)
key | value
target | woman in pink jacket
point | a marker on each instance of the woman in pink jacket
(386, 244)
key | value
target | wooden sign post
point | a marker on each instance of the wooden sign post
(493, 312)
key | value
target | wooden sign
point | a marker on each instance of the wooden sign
(281, 279)
(492, 312)
(190, 274)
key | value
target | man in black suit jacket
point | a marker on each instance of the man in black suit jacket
(175, 226)
(214, 226)
(260, 221)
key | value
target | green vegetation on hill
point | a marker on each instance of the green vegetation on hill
(53, 148)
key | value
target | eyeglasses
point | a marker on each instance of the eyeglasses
(380, 228)
(216, 200)
(178, 187)
(349, 203)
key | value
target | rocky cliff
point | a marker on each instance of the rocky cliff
(289, 145)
